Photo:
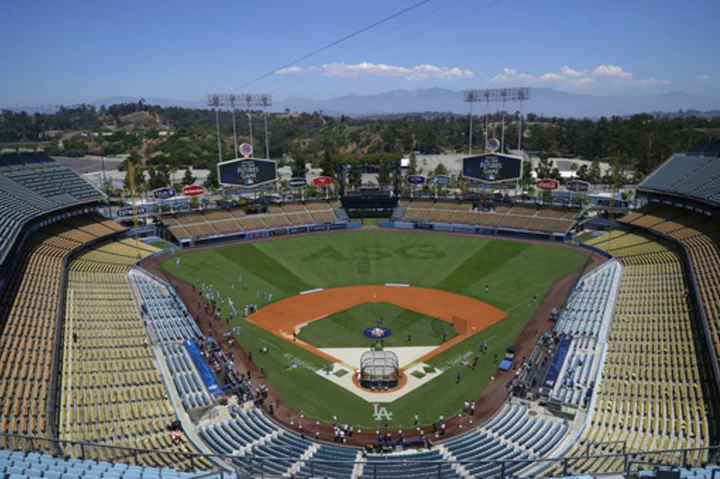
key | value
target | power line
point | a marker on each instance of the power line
(420, 32)
(336, 42)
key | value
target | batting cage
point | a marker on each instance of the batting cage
(379, 369)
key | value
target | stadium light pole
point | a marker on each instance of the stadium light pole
(213, 100)
(231, 99)
(489, 95)
(469, 97)
(524, 94)
(250, 100)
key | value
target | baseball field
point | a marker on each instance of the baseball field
(513, 272)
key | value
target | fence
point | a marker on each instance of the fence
(631, 461)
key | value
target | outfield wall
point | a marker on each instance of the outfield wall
(472, 229)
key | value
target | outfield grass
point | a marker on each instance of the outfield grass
(462, 264)
(345, 329)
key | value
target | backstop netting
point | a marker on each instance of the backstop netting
(379, 365)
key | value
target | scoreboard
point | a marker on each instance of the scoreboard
(247, 172)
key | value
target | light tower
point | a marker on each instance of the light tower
(249, 100)
(489, 95)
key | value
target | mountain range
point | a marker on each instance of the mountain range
(543, 101)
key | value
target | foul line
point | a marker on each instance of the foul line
(311, 291)
(398, 285)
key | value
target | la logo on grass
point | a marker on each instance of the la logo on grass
(381, 413)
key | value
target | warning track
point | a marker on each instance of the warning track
(285, 316)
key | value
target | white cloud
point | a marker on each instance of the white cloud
(415, 73)
(611, 71)
(703, 77)
(570, 78)
(289, 71)
(570, 73)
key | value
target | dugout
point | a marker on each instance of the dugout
(369, 203)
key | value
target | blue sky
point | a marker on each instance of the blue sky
(81, 51)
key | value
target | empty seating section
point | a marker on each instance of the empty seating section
(212, 222)
(524, 217)
(512, 435)
(687, 175)
(165, 312)
(111, 389)
(185, 378)
(657, 389)
(701, 237)
(18, 464)
(31, 185)
(28, 314)
(410, 466)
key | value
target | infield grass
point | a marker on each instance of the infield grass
(345, 329)
(513, 271)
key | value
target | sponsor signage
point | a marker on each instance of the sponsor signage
(416, 180)
(125, 212)
(245, 150)
(163, 193)
(231, 191)
(605, 203)
(577, 186)
(441, 227)
(493, 145)
(298, 229)
(194, 190)
(337, 226)
(404, 224)
(424, 226)
(256, 235)
(297, 182)
(322, 181)
(547, 184)
(474, 184)
(318, 228)
(247, 172)
(464, 229)
(278, 232)
(441, 180)
(491, 167)
(183, 207)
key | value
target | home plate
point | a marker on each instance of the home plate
(405, 354)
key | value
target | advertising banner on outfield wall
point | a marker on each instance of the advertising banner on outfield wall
(337, 226)
(464, 229)
(256, 235)
(423, 226)
(318, 228)
(404, 224)
(442, 227)
(298, 229)
(278, 232)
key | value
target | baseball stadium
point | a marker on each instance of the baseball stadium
(360, 334)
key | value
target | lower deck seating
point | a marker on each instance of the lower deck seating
(18, 464)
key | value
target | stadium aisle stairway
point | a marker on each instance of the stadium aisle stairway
(28, 313)
(112, 391)
(656, 391)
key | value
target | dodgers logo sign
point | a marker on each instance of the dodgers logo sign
(493, 145)
(441, 180)
(246, 149)
(380, 413)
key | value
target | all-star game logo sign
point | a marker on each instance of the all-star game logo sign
(248, 171)
(377, 332)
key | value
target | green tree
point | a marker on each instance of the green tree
(328, 164)
(188, 178)
(139, 178)
(355, 174)
(441, 169)
(412, 169)
(211, 182)
(594, 173)
(299, 170)
(384, 173)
